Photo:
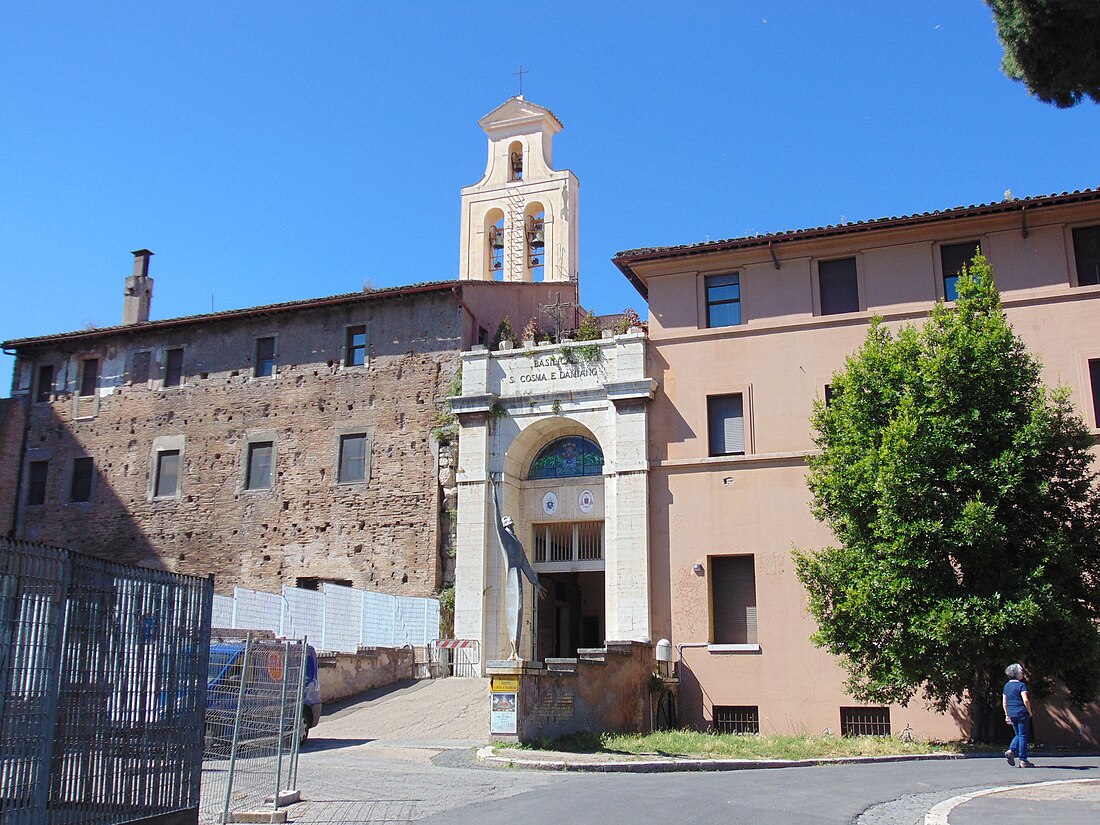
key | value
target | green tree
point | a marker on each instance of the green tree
(1051, 46)
(965, 506)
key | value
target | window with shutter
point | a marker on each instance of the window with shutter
(139, 369)
(837, 285)
(1094, 380)
(89, 376)
(733, 600)
(173, 367)
(726, 424)
(1086, 251)
(953, 257)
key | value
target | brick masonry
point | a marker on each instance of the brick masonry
(381, 535)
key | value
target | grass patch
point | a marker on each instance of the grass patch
(688, 743)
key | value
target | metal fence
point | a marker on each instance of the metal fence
(253, 720)
(334, 619)
(102, 669)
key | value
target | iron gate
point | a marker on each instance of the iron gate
(103, 677)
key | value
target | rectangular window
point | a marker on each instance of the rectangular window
(265, 357)
(828, 394)
(865, 721)
(737, 719)
(953, 257)
(1086, 250)
(168, 473)
(726, 424)
(45, 383)
(89, 375)
(173, 367)
(723, 300)
(733, 600)
(261, 456)
(1094, 380)
(838, 288)
(36, 482)
(81, 488)
(355, 350)
(353, 458)
(139, 370)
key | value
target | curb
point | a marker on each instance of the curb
(939, 813)
(487, 755)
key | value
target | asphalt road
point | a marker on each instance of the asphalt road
(408, 757)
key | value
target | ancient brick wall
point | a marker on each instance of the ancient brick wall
(11, 444)
(382, 534)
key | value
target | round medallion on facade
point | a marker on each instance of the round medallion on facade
(550, 503)
(586, 501)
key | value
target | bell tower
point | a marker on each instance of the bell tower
(519, 222)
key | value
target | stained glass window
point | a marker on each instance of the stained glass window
(567, 457)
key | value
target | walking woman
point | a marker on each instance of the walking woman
(1017, 706)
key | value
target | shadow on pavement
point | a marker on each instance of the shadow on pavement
(314, 745)
(334, 709)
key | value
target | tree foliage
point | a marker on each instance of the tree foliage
(962, 497)
(1051, 45)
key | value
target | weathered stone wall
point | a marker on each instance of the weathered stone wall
(348, 674)
(12, 413)
(602, 692)
(382, 534)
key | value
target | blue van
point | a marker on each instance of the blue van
(224, 683)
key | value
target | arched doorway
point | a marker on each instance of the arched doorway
(555, 477)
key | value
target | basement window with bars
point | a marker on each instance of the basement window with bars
(865, 721)
(737, 719)
(568, 541)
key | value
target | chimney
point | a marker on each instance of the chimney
(139, 290)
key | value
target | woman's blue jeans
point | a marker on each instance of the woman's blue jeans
(1019, 741)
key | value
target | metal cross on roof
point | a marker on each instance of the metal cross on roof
(521, 73)
(554, 311)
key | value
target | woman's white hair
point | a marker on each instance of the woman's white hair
(1015, 671)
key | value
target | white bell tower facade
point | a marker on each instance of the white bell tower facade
(519, 222)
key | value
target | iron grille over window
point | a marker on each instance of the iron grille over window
(737, 718)
(568, 541)
(567, 457)
(865, 721)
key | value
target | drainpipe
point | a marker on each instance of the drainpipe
(680, 655)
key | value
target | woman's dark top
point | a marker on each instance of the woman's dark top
(1014, 703)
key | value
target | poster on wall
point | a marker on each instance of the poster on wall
(502, 713)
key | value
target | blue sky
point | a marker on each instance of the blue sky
(274, 151)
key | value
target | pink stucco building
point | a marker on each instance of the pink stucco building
(744, 335)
